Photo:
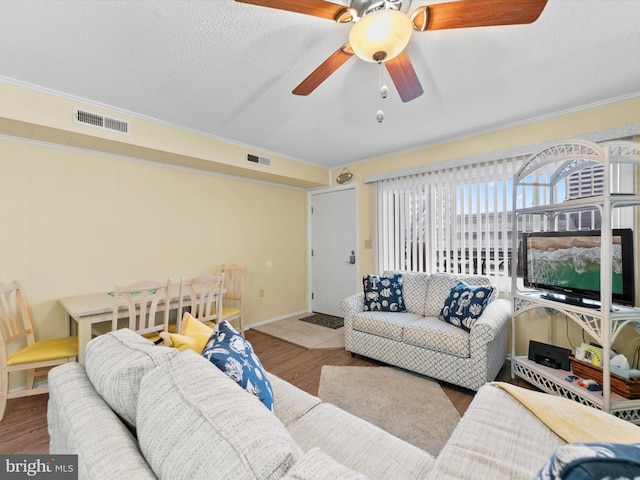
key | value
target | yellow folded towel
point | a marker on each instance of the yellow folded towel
(572, 421)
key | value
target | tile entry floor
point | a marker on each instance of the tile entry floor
(305, 334)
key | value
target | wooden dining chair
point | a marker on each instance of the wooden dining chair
(205, 295)
(232, 304)
(143, 303)
(37, 357)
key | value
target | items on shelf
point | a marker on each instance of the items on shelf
(590, 385)
(626, 387)
(590, 354)
(620, 366)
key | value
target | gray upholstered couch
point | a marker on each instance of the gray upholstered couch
(141, 411)
(419, 341)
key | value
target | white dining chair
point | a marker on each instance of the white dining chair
(232, 304)
(146, 307)
(205, 294)
(19, 349)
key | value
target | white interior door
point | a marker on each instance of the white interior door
(334, 255)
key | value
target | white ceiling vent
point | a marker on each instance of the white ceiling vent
(100, 121)
(257, 160)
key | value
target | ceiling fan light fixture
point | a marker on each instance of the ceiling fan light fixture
(381, 35)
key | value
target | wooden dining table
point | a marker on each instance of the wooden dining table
(85, 311)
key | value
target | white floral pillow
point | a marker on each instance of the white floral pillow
(383, 293)
(465, 304)
(593, 461)
(231, 353)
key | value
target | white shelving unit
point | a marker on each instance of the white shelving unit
(558, 162)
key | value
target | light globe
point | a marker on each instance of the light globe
(381, 35)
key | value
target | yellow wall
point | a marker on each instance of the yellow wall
(36, 115)
(83, 209)
(76, 222)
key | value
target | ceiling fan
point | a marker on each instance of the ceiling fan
(382, 29)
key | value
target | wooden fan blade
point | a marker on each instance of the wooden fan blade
(404, 77)
(477, 13)
(316, 8)
(321, 73)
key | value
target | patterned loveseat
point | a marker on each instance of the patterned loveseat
(418, 340)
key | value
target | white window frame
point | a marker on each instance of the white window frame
(467, 245)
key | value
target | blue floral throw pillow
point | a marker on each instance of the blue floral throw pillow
(465, 304)
(383, 294)
(593, 461)
(230, 352)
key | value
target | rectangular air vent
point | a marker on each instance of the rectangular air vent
(100, 121)
(257, 160)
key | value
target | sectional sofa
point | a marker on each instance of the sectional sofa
(141, 411)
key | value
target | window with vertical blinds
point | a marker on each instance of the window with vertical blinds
(459, 219)
(456, 219)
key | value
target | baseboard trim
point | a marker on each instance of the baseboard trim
(40, 384)
(271, 320)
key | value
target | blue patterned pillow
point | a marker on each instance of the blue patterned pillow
(465, 304)
(231, 353)
(383, 294)
(591, 461)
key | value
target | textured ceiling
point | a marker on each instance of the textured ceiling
(227, 70)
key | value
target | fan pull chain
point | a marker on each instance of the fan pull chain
(384, 91)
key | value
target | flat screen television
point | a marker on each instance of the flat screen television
(569, 263)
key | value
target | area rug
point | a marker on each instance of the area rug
(324, 320)
(411, 407)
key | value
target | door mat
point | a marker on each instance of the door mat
(325, 320)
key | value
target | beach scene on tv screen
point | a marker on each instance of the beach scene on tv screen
(571, 262)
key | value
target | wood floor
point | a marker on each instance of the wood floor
(24, 427)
